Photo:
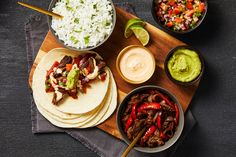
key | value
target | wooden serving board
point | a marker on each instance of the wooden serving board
(160, 44)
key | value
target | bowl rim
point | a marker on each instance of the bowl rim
(122, 52)
(167, 144)
(168, 58)
(173, 31)
(49, 21)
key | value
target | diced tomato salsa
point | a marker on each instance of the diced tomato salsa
(180, 15)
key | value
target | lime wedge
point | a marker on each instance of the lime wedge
(130, 23)
(141, 34)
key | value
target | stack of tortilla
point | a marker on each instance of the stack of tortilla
(88, 110)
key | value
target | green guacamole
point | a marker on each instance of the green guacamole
(72, 79)
(184, 65)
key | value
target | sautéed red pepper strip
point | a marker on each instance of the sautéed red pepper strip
(148, 133)
(150, 105)
(133, 112)
(55, 64)
(128, 123)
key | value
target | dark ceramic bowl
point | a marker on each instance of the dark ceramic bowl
(52, 4)
(167, 70)
(154, 15)
(167, 144)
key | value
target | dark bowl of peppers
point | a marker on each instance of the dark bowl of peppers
(150, 129)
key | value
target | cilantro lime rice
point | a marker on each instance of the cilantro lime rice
(85, 23)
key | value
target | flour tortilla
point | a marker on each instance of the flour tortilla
(83, 119)
(60, 115)
(85, 102)
(50, 108)
(110, 108)
(113, 104)
(98, 117)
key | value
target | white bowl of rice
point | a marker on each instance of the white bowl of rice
(86, 24)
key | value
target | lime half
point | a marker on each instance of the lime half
(141, 34)
(130, 23)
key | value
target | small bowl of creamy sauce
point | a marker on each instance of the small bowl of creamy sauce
(135, 64)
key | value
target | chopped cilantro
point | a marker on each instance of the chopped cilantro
(86, 40)
(72, 38)
(77, 31)
(61, 84)
(108, 23)
(95, 6)
(197, 14)
(69, 8)
(97, 30)
(192, 25)
(93, 17)
(76, 20)
(47, 84)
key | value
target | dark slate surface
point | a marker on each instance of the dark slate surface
(213, 106)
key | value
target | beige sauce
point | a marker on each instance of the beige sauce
(137, 64)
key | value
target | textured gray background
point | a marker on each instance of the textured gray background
(213, 106)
